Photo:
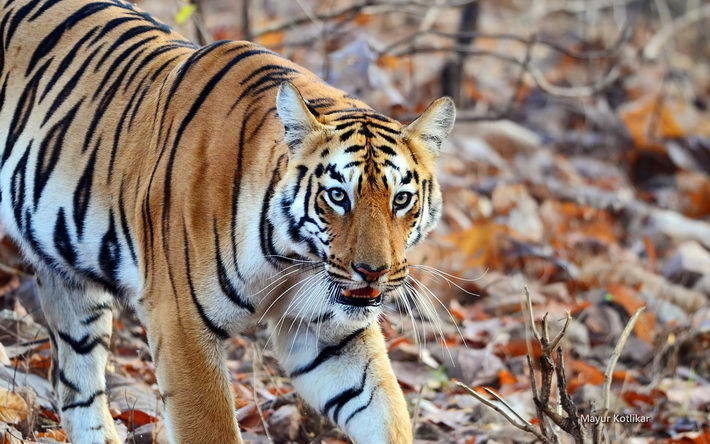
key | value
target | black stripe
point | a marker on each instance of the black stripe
(20, 15)
(82, 193)
(224, 283)
(47, 4)
(50, 150)
(327, 352)
(124, 224)
(265, 82)
(3, 89)
(260, 70)
(386, 149)
(22, 113)
(120, 40)
(85, 345)
(64, 380)
(70, 90)
(17, 187)
(362, 407)
(237, 185)
(66, 63)
(98, 313)
(211, 326)
(346, 135)
(86, 403)
(46, 46)
(386, 129)
(62, 241)
(110, 251)
(267, 227)
(154, 54)
(197, 104)
(256, 129)
(190, 62)
(338, 401)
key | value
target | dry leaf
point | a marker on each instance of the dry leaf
(645, 328)
(57, 434)
(649, 118)
(479, 243)
(13, 409)
(134, 418)
(582, 374)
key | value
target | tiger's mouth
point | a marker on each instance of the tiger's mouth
(360, 297)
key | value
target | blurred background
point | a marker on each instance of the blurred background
(579, 168)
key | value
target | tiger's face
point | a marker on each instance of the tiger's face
(359, 190)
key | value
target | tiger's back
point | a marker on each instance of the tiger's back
(186, 182)
(79, 87)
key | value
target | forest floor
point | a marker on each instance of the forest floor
(579, 169)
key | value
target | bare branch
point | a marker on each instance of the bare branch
(363, 6)
(608, 373)
(659, 40)
(571, 422)
(246, 20)
(502, 401)
(524, 425)
(556, 340)
(611, 52)
(538, 77)
(337, 13)
(535, 393)
(531, 315)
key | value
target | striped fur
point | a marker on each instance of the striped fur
(200, 188)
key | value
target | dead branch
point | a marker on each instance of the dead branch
(246, 20)
(202, 35)
(452, 74)
(610, 370)
(610, 52)
(337, 13)
(659, 40)
(581, 6)
(518, 421)
(538, 77)
(361, 7)
(569, 421)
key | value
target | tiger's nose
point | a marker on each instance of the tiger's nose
(368, 273)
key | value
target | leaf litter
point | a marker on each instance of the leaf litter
(598, 203)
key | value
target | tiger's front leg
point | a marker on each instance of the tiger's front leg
(79, 321)
(348, 377)
(192, 374)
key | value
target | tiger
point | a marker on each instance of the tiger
(208, 189)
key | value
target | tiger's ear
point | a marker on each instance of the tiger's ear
(434, 125)
(297, 119)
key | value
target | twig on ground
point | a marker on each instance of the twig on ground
(417, 408)
(608, 373)
(653, 48)
(255, 359)
(565, 415)
(524, 425)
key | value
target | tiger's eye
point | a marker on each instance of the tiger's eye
(337, 195)
(402, 199)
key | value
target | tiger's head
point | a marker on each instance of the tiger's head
(359, 190)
